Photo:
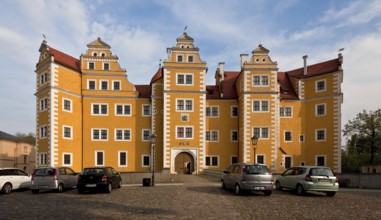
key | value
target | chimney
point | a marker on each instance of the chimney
(221, 66)
(243, 59)
(305, 57)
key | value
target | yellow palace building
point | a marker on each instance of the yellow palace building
(90, 114)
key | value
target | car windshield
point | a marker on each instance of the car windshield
(321, 172)
(257, 169)
(92, 171)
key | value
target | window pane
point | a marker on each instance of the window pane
(95, 109)
(265, 80)
(189, 79)
(119, 134)
(104, 109)
(189, 132)
(123, 158)
(99, 158)
(127, 134)
(180, 79)
(127, 110)
(188, 105)
(180, 132)
(265, 106)
(256, 80)
(119, 109)
(104, 134)
(256, 106)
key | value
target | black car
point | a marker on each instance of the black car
(99, 178)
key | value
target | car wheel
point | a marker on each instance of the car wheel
(223, 186)
(81, 190)
(331, 194)
(268, 192)
(109, 188)
(237, 190)
(300, 190)
(60, 188)
(35, 191)
(120, 184)
(7, 188)
(277, 185)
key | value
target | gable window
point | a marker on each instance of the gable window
(190, 59)
(122, 110)
(91, 84)
(260, 106)
(104, 84)
(261, 132)
(320, 85)
(287, 136)
(122, 158)
(184, 79)
(91, 66)
(285, 112)
(67, 105)
(146, 110)
(320, 135)
(212, 111)
(320, 109)
(260, 80)
(99, 109)
(115, 85)
(179, 58)
(184, 105)
(106, 66)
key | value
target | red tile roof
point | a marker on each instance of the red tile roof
(65, 60)
(287, 91)
(316, 69)
(144, 91)
(158, 75)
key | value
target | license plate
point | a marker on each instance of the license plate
(91, 185)
(259, 188)
(324, 180)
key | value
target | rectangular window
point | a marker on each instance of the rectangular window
(211, 135)
(234, 111)
(285, 112)
(146, 160)
(320, 109)
(320, 135)
(91, 66)
(43, 104)
(99, 109)
(122, 134)
(184, 79)
(146, 135)
(211, 161)
(179, 58)
(43, 158)
(43, 78)
(287, 162)
(256, 80)
(122, 158)
(106, 66)
(67, 105)
(115, 85)
(99, 158)
(184, 117)
(301, 138)
(184, 132)
(190, 59)
(260, 106)
(212, 111)
(320, 85)
(287, 136)
(184, 105)
(260, 80)
(66, 158)
(265, 80)
(67, 132)
(91, 84)
(320, 160)
(122, 110)
(146, 110)
(261, 132)
(234, 159)
(43, 131)
(234, 135)
(260, 159)
(104, 85)
(100, 134)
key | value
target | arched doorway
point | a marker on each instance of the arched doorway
(184, 163)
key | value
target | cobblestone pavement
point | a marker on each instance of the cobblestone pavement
(189, 197)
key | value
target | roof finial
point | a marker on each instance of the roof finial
(159, 63)
(44, 41)
(185, 29)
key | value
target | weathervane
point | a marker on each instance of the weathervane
(160, 63)
(186, 26)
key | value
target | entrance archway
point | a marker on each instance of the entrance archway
(184, 163)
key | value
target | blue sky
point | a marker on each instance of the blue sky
(140, 31)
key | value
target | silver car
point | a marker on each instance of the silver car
(248, 177)
(56, 178)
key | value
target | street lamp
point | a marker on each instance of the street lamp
(153, 141)
(254, 141)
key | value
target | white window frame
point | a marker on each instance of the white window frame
(104, 64)
(325, 85)
(231, 111)
(100, 134)
(63, 159)
(261, 80)
(63, 105)
(184, 117)
(211, 111)
(88, 84)
(261, 133)
(260, 155)
(43, 131)
(231, 135)
(316, 109)
(123, 134)
(123, 109)
(100, 85)
(177, 58)
(100, 109)
(96, 158)
(149, 112)
(149, 132)
(113, 86)
(301, 136)
(285, 111)
(88, 65)
(43, 78)
(284, 138)
(185, 132)
(43, 158)
(316, 134)
(43, 104)
(284, 161)
(211, 132)
(185, 79)
(149, 159)
(71, 132)
(211, 160)
(189, 57)
(260, 105)
(184, 101)
(325, 160)
(119, 157)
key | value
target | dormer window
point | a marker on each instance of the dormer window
(179, 58)
(285, 91)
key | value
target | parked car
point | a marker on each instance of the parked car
(248, 177)
(309, 178)
(100, 178)
(13, 178)
(53, 178)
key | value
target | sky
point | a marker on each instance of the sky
(139, 32)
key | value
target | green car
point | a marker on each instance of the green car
(309, 178)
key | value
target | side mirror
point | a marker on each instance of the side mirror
(225, 171)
